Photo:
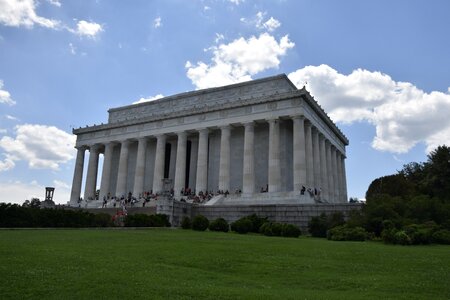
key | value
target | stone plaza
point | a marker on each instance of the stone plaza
(261, 142)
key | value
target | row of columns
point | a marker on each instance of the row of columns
(317, 164)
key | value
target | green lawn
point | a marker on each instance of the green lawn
(180, 264)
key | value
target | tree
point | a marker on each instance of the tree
(437, 170)
(35, 203)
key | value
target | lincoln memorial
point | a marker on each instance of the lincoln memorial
(261, 141)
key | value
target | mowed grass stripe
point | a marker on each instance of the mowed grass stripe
(180, 264)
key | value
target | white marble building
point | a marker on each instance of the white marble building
(245, 136)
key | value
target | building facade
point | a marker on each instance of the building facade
(259, 135)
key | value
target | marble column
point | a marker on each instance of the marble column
(139, 174)
(344, 180)
(224, 165)
(335, 174)
(316, 159)
(121, 189)
(180, 169)
(106, 172)
(299, 156)
(339, 176)
(91, 178)
(274, 175)
(323, 171)
(158, 174)
(248, 172)
(77, 177)
(201, 182)
(330, 173)
(309, 156)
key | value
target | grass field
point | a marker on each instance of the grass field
(179, 264)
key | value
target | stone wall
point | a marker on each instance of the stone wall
(298, 214)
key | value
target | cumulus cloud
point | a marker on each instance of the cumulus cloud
(151, 98)
(238, 60)
(43, 147)
(258, 21)
(18, 13)
(5, 96)
(237, 2)
(88, 29)
(18, 192)
(157, 22)
(402, 114)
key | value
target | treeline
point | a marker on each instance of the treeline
(410, 207)
(15, 216)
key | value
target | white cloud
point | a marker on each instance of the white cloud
(5, 96)
(237, 2)
(3, 131)
(7, 163)
(72, 48)
(54, 2)
(206, 7)
(12, 118)
(157, 22)
(43, 147)
(402, 114)
(151, 98)
(88, 29)
(271, 24)
(258, 21)
(219, 37)
(18, 192)
(238, 60)
(18, 13)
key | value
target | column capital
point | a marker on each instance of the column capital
(203, 130)
(299, 117)
(225, 127)
(160, 135)
(110, 143)
(181, 133)
(82, 147)
(273, 120)
(95, 147)
(125, 142)
(142, 139)
(248, 124)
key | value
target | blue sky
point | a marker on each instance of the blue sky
(381, 70)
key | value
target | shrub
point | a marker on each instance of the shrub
(419, 234)
(278, 229)
(289, 230)
(200, 223)
(256, 222)
(266, 229)
(143, 220)
(401, 238)
(219, 224)
(243, 225)
(317, 226)
(159, 220)
(441, 237)
(186, 223)
(345, 233)
(388, 235)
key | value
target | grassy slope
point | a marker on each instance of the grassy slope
(173, 264)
